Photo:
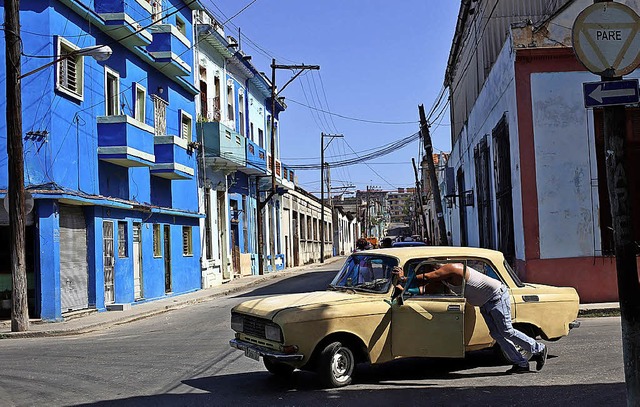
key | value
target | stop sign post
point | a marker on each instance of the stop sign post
(607, 42)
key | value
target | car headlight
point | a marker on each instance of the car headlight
(273, 333)
(236, 322)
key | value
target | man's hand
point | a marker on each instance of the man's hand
(397, 270)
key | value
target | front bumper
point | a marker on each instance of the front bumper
(265, 352)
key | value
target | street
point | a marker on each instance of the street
(182, 358)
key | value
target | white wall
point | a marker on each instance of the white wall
(565, 165)
(497, 98)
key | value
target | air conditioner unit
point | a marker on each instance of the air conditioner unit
(232, 41)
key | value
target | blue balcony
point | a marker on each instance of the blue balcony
(174, 158)
(256, 159)
(170, 50)
(124, 18)
(287, 178)
(124, 141)
(224, 148)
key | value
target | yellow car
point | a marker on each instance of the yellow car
(363, 317)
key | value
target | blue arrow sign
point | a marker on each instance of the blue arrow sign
(610, 93)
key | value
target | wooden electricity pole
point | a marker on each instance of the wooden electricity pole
(261, 205)
(433, 180)
(625, 248)
(322, 181)
(423, 216)
(19, 306)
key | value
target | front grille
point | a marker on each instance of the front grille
(254, 326)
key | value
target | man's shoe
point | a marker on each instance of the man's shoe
(541, 358)
(518, 369)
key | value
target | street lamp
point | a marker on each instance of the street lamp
(15, 162)
(98, 52)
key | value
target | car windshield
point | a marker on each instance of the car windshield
(362, 272)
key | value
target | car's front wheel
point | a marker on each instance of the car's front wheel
(336, 365)
(278, 368)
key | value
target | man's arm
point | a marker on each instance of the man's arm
(442, 273)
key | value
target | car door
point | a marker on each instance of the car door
(429, 325)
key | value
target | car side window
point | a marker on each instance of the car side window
(484, 268)
(416, 288)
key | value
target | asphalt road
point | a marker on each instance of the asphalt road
(182, 358)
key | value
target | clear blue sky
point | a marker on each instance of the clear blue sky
(378, 61)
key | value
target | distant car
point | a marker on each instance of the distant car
(408, 244)
(362, 318)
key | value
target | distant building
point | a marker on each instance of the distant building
(402, 205)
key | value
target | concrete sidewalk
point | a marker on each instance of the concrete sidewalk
(92, 320)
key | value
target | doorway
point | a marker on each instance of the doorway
(137, 262)
(167, 259)
(108, 261)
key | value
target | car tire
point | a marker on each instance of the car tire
(335, 365)
(278, 369)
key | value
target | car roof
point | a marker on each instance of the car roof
(404, 254)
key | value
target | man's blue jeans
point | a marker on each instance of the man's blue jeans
(497, 314)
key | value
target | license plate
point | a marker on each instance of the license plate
(252, 353)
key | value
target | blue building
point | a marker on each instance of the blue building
(234, 116)
(109, 155)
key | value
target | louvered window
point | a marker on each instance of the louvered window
(70, 70)
(187, 246)
(141, 103)
(112, 92)
(157, 250)
(185, 126)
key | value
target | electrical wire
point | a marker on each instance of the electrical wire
(351, 118)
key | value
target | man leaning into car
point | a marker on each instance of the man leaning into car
(493, 299)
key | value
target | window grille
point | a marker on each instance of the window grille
(122, 239)
(187, 246)
(157, 249)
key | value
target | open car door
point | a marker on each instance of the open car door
(428, 325)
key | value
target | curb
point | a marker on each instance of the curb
(169, 307)
(598, 312)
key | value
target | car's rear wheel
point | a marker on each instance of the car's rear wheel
(278, 368)
(335, 365)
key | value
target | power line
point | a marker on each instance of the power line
(239, 12)
(352, 118)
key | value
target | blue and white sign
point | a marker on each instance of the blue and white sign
(610, 93)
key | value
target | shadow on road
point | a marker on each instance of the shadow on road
(304, 283)
(409, 379)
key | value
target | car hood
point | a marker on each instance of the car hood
(268, 307)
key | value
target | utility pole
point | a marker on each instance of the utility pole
(13, 70)
(322, 148)
(366, 216)
(625, 250)
(274, 96)
(423, 215)
(433, 181)
(612, 60)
